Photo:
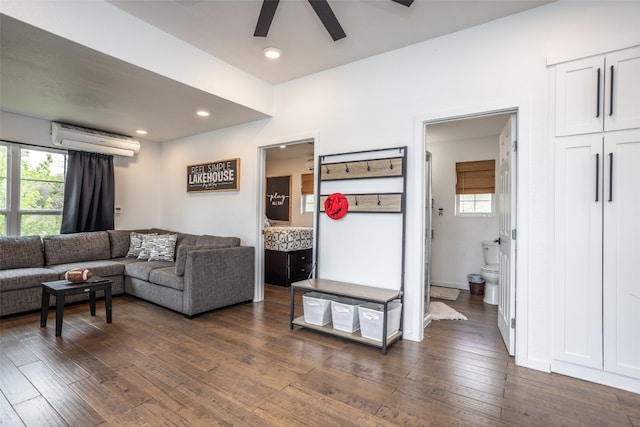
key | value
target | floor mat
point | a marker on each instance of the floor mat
(441, 311)
(449, 294)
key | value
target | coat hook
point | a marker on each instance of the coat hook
(379, 203)
(328, 171)
(368, 167)
(346, 168)
(356, 197)
(390, 164)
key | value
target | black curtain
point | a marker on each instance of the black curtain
(89, 195)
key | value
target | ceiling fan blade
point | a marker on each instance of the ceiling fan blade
(267, 13)
(404, 2)
(328, 18)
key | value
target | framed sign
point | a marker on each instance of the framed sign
(278, 203)
(223, 175)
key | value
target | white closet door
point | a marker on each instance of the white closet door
(579, 96)
(621, 287)
(622, 98)
(577, 288)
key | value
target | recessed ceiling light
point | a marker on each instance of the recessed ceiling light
(283, 146)
(141, 132)
(203, 113)
(272, 52)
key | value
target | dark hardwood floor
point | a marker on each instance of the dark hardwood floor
(243, 366)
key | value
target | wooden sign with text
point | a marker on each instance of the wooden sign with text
(223, 175)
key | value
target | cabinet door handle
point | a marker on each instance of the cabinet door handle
(598, 95)
(611, 177)
(597, 174)
(611, 94)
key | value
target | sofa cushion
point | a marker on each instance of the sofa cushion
(21, 252)
(214, 240)
(186, 239)
(104, 268)
(135, 243)
(125, 261)
(142, 270)
(160, 247)
(23, 278)
(183, 250)
(167, 277)
(76, 247)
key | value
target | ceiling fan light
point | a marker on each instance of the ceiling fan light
(272, 52)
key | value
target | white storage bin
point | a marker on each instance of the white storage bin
(317, 308)
(344, 314)
(371, 319)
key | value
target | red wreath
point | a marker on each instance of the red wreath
(336, 206)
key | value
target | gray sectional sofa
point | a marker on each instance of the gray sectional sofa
(201, 274)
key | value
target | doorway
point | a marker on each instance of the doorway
(453, 236)
(292, 162)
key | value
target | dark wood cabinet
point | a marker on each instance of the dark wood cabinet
(282, 268)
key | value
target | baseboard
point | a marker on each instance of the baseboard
(596, 376)
(427, 320)
(461, 286)
(537, 364)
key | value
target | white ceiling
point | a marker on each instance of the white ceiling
(46, 76)
(225, 29)
(466, 129)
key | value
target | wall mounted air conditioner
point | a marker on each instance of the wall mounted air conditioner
(83, 139)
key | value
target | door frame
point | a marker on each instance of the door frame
(520, 107)
(261, 188)
(427, 234)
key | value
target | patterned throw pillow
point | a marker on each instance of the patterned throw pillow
(135, 243)
(159, 247)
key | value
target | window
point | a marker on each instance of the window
(475, 188)
(474, 204)
(307, 199)
(308, 203)
(32, 193)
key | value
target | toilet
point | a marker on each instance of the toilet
(490, 272)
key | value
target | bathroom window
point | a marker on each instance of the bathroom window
(308, 203)
(475, 188)
(307, 199)
(475, 204)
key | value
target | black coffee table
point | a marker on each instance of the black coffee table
(61, 288)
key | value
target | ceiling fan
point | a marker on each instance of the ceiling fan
(322, 9)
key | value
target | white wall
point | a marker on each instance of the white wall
(456, 245)
(137, 191)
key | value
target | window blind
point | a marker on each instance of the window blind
(307, 183)
(477, 177)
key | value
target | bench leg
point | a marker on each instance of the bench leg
(92, 302)
(59, 312)
(44, 308)
(107, 302)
